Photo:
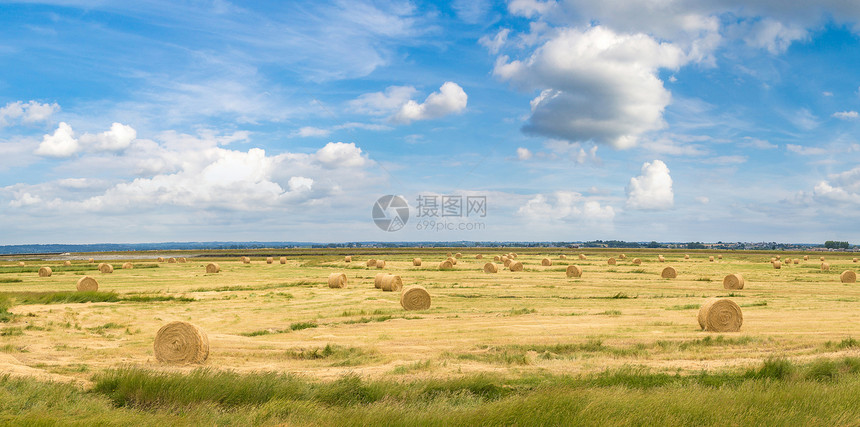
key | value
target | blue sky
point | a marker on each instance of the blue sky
(576, 120)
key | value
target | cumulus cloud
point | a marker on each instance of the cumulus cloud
(846, 115)
(382, 103)
(62, 143)
(652, 190)
(523, 153)
(595, 85)
(839, 188)
(450, 99)
(26, 112)
(118, 138)
(773, 35)
(565, 206)
(339, 154)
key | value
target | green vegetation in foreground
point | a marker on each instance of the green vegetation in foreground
(63, 268)
(66, 297)
(777, 393)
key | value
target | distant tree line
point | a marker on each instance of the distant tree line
(833, 244)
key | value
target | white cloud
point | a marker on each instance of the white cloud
(760, 144)
(596, 85)
(450, 99)
(652, 190)
(61, 143)
(382, 103)
(28, 113)
(726, 160)
(523, 153)
(495, 43)
(807, 151)
(846, 115)
(300, 183)
(310, 131)
(773, 35)
(529, 8)
(565, 206)
(340, 155)
(118, 138)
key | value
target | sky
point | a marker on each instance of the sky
(568, 120)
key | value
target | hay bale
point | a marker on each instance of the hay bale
(513, 255)
(622, 256)
(347, 259)
(171, 260)
(370, 263)
(453, 260)
(504, 258)
(848, 276)
(777, 265)
(610, 261)
(415, 298)
(182, 260)
(282, 260)
(380, 263)
(582, 257)
(416, 262)
(719, 257)
(92, 260)
(825, 266)
(497, 258)
(491, 268)
(720, 315)
(733, 281)
(772, 260)
(779, 257)
(160, 259)
(562, 256)
(821, 258)
(44, 271)
(446, 265)
(637, 261)
(106, 268)
(508, 262)
(458, 255)
(574, 271)
(515, 266)
(21, 264)
(854, 260)
(128, 266)
(67, 263)
(479, 256)
(270, 260)
(787, 261)
(660, 258)
(796, 261)
(711, 258)
(181, 343)
(686, 256)
(377, 280)
(669, 273)
(806, 257)
(391, 283)
(545, 262)
(337, 280)
(448, 255)
(246, 260)
(213, 267)
(87, 283)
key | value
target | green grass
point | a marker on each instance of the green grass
(237, 288)
(293, 327)
(62, 268)
(66, 297)
(10, 280)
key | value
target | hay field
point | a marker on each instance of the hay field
(285, 318)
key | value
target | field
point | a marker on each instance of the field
(618, 345)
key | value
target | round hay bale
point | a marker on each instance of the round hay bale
(246, 260)
(777, 265)
(562, 256)
(337, 280)
(720, 315)
(637, 261)
(686, 256)
(181, 343)
(92, 260)
(416, 262)
(380, 263)
(182, 260)
(582, 256)
(67, 263)
(370, 263)
(87, 283)
(622, 256)
(160, 259)
(270, 260)
(660, 258)
(479, 256)
(45, 272)
(128, 266)
(806, 257)
(508, 262)
(515, 266)
(458, 255)
(415, 298)
(719, 257)
(669, 273)
(787, 261)
(854, 260)
(821, 258)
(106, 268)
(504, 258)
(546, 262)
(513, 255)
(171, 260)
(491, 268)
(448, 255)
(848, 276)
(497, 258)
(825, 266)
(733, 281)
(453, 260)
(391, 283)
(779, 257)
(610, 261)
(213, 267)
(21, 264)
(446, 265)
(573, 271)
(282, 260)
(711, 258)
(377, 280)
(796, 261)
(347, 259)
(772, 260)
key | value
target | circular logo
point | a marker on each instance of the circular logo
(390, 212)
